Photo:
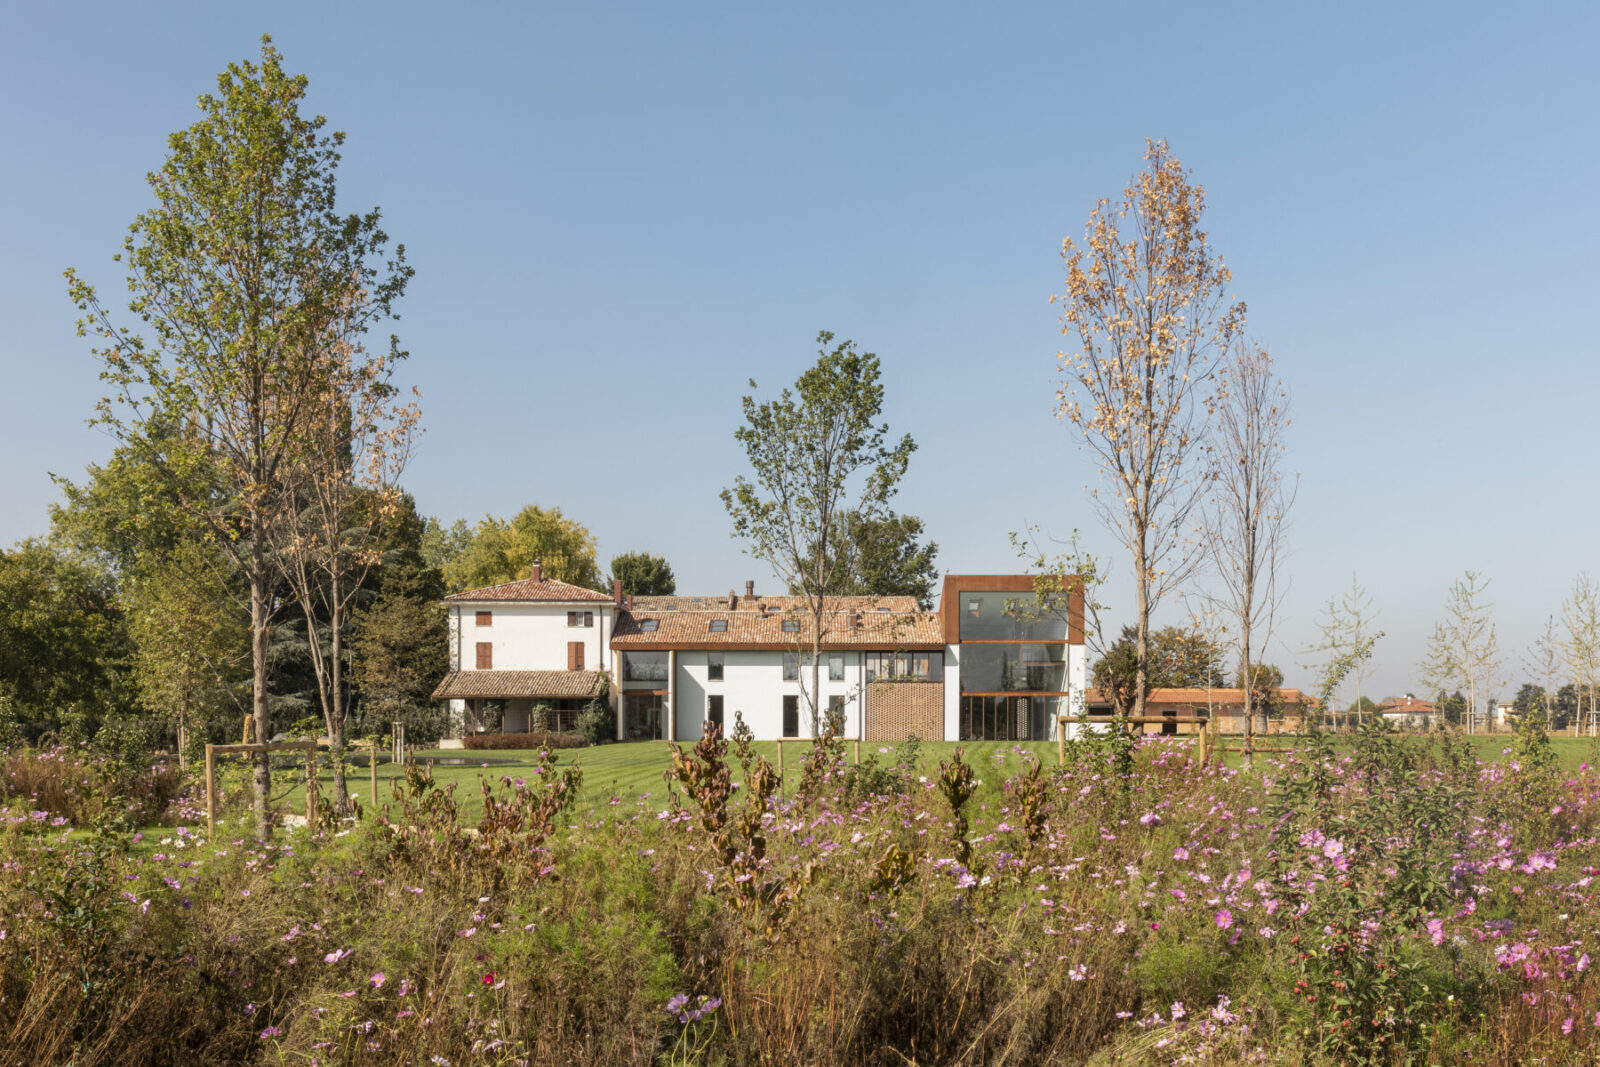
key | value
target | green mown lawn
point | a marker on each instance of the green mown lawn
(630, 773)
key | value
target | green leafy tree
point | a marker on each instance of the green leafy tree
(400, 640)
(191, 649)
(884, 556)
(1179, 658)
(642, 574)
(64, 644)
(241, 270)
(502, 551)
(816, 455)
(441, 544)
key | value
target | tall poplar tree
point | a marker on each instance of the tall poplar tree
(239, 272)
(1147, 312)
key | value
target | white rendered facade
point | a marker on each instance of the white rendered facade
(883, 660)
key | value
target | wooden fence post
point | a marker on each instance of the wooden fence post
(858, 752)
(780, 757)
(311, 788)
(372, 766)
(211, 791)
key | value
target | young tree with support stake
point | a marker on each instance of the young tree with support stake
(1247, 509)
(815, 455)
(1149, 317)
(240, 270)
(356, 443)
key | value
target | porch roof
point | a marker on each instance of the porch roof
(520, 685)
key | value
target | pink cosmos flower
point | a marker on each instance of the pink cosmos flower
(1224, 919)
(377, 980)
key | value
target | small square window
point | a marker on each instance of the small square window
(649, 626)
(719, 626)
(791, 626)
(485, 618)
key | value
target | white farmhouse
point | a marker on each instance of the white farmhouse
(992, 663)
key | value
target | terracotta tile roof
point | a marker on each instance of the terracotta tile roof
(519, 685)
(1219, 698)
(770, 603)
(548, 590)
(680, 628)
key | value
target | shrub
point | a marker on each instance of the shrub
(544, 740)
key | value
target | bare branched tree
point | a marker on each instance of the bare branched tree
(1349, 635)
(1247, 510)
(1150, 318)
(1464, 650)
(1580, 649)
(1543, 660)
(345, 487)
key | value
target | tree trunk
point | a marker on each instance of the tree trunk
(1249, 681)
(341, 793)
(259, 618)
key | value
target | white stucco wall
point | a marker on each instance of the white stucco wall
(752, 684)
(529, 637)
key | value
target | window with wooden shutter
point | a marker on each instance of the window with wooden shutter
(588, 618)
(486, 655)
(485, 618)
(574, 655)
(572, 618)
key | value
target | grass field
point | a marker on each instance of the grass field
(632, 772)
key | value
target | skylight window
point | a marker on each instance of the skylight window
(719, 626)
(791, 626)
(648, 626)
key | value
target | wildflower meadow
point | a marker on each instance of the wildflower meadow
(1374, 898)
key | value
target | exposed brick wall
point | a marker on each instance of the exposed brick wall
(895, 710)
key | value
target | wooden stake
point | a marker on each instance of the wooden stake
(373, 767)
(311, 791)
(211, 790)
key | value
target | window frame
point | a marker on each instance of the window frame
(716, 666)
(485, 656)
(835, 666)
(483, 618)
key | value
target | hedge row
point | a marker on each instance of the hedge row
(538, 740)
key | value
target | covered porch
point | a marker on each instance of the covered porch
(512, 696)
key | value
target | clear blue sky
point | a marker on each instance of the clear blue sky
(619, 214)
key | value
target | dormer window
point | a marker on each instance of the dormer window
(649, 626)
(719, 626)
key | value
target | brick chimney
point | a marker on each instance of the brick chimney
(629, 602)
(733, 601)
(749, 589)
(537, 573)
(855, 620)
(616, 592)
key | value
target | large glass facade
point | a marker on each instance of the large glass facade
(1010, 668)
(643, 715)
(644, 666)
(1012, 617)
(1009, 718)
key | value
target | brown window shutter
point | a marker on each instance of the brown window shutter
(574, 655)
(572, 618)
(485, 618)
(486, 655)
(588, 618)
